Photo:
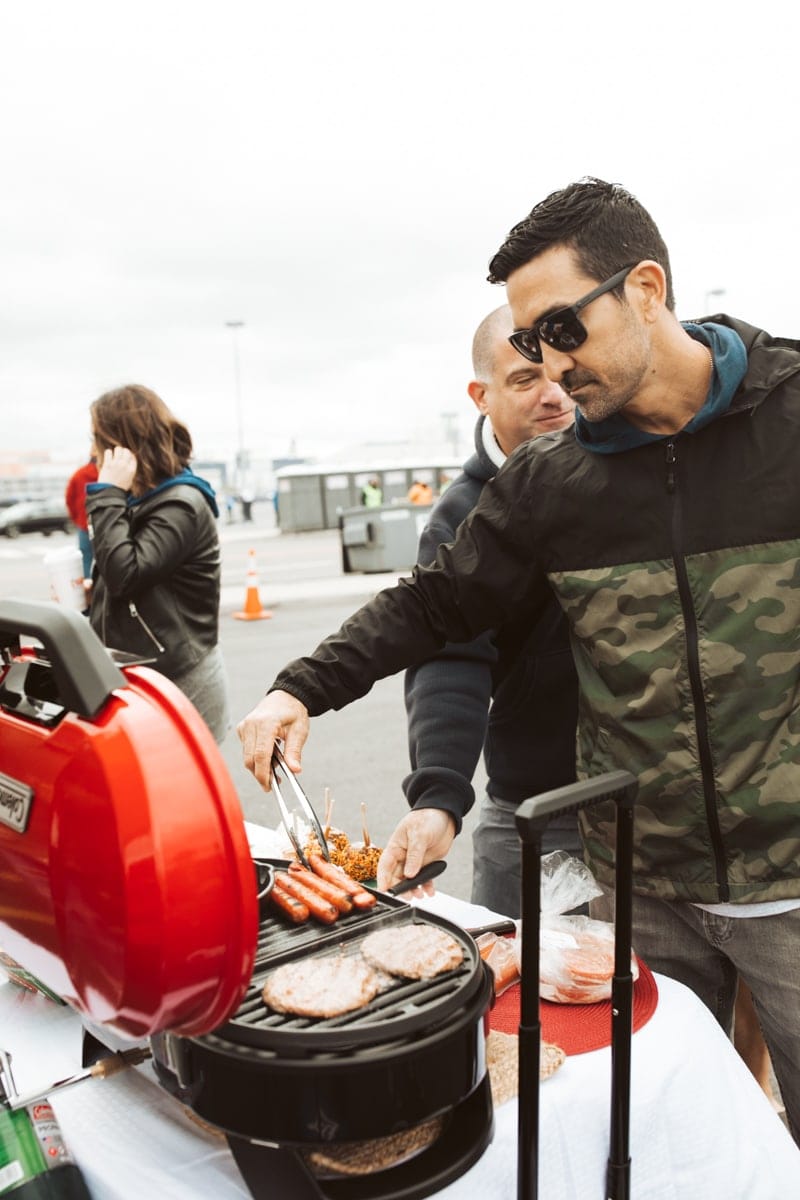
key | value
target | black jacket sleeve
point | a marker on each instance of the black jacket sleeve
(447, 701)
(447, 698)
(476, 584)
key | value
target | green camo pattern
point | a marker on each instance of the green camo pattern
(637, 712)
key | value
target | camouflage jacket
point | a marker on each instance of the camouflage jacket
(677, 564)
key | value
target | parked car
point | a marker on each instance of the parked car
(35, 516)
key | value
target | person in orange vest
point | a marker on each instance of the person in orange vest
(420, 493)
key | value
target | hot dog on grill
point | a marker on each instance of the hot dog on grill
(329, 891)
(292, 908)
(361, 897)
(320, 909)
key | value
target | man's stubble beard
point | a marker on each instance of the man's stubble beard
(624, 378)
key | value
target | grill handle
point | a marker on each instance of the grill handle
(84, 673)
(429, 871)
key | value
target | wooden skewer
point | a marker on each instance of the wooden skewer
(364, 830)
(328, 812)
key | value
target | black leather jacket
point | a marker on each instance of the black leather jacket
(156, 584)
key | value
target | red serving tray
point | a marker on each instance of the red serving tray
(577, 1028)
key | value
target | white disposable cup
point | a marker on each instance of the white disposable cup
(65, 572)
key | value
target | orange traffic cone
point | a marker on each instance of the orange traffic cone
(253, 609)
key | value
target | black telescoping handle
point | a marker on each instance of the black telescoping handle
(84, 672)
(618, 1177)
(532, 818)
(529, 1045)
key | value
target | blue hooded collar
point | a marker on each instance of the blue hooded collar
(187, 475)
(730, 364)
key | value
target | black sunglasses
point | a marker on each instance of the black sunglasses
(562, 329)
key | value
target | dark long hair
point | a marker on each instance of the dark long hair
(135, 417)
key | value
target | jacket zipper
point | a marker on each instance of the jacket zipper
(133, 610)
(695, 676)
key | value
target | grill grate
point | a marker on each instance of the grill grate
(279, 941)
(404, 1007)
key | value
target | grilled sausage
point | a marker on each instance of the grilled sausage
(320, 909)
(288, 905)
(329, 891)
(361, 897)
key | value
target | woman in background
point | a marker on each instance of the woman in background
(152, 521)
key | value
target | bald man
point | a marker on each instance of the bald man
(512, 691)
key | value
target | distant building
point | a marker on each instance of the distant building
(32, 475)
(313, 495)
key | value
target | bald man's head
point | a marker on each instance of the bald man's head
(515, 394)
(496, 327)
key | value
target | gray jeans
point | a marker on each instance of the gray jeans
(496, 854)
(206, 685)
(708, 953)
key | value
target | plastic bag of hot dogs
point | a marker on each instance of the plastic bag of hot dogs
(576, 953)
(576, 960)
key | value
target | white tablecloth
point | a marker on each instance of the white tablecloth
(701, 1129)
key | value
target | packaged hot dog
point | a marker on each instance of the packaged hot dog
(576, 953)
(576, 960)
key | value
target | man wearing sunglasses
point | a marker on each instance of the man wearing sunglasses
(668, 527)
(513, 691)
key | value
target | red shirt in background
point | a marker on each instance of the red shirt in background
(75, 495)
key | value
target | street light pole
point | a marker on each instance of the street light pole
(450, 420)
(235, 326)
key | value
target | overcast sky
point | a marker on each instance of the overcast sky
(337, 175)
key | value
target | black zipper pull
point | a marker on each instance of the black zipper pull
(670, 456)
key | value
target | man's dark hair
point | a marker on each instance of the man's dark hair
(605, 226)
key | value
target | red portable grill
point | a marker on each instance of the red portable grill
(127, 886)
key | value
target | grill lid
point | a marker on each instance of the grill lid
(126, 882)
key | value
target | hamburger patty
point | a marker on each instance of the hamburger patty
(413, 951)
(321, 987)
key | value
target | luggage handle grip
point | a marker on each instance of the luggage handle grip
(84, 672)
(533, 814)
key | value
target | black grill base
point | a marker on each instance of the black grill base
(370, 1092)
(270, 1171)
(280, 1086)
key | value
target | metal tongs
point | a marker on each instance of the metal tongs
(279, 764)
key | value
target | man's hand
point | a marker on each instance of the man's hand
(278, 715)
(118, 467)
(423, 835)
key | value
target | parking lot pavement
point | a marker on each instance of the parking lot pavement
(290, 566)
